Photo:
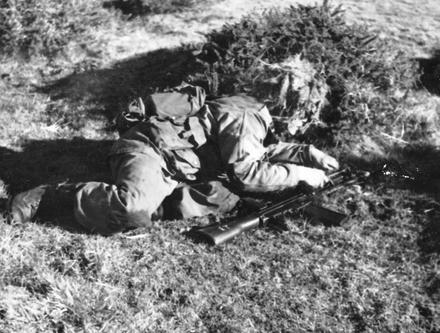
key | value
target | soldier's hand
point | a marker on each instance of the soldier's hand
(322, 160)
(315, 178)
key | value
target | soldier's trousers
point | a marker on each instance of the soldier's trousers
(142, 181)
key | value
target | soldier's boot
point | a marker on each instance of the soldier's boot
(44, 201)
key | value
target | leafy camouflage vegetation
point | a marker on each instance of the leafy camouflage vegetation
(378, 272)
(345, 57)
(320, 34)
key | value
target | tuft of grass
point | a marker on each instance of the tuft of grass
(367, 275)
(47, 27)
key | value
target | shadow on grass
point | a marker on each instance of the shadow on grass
(413, 167)
(135, 8)
(131, 8)
(52, 161)
(430, 78)
(108, 90)
(420, 163)
(429, 244)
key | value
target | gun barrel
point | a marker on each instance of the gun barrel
(299, 200)
(218, 233)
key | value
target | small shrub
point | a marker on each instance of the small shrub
(45, 27)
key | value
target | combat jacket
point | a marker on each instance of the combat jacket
(225, 136)
(239, 125)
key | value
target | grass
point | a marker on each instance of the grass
(378, 272)
(368, 275)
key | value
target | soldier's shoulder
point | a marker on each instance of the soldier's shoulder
(236, 102)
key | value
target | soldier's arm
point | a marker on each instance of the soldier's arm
(263, 176)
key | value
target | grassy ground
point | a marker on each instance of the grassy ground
(378, 272)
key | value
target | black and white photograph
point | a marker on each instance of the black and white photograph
(220, 166)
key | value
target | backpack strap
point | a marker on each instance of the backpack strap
(177, 104)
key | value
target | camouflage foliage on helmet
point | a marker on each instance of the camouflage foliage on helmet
(298, 93)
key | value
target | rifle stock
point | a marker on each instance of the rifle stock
(218, 233)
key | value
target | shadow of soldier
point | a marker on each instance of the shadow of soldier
(52, 162)
(109, 90)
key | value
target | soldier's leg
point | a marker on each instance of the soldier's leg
(140, 185)
(47, 202)
(190, 200)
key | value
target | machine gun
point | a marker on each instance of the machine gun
(218, 233)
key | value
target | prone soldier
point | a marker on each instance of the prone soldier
(184, 156)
